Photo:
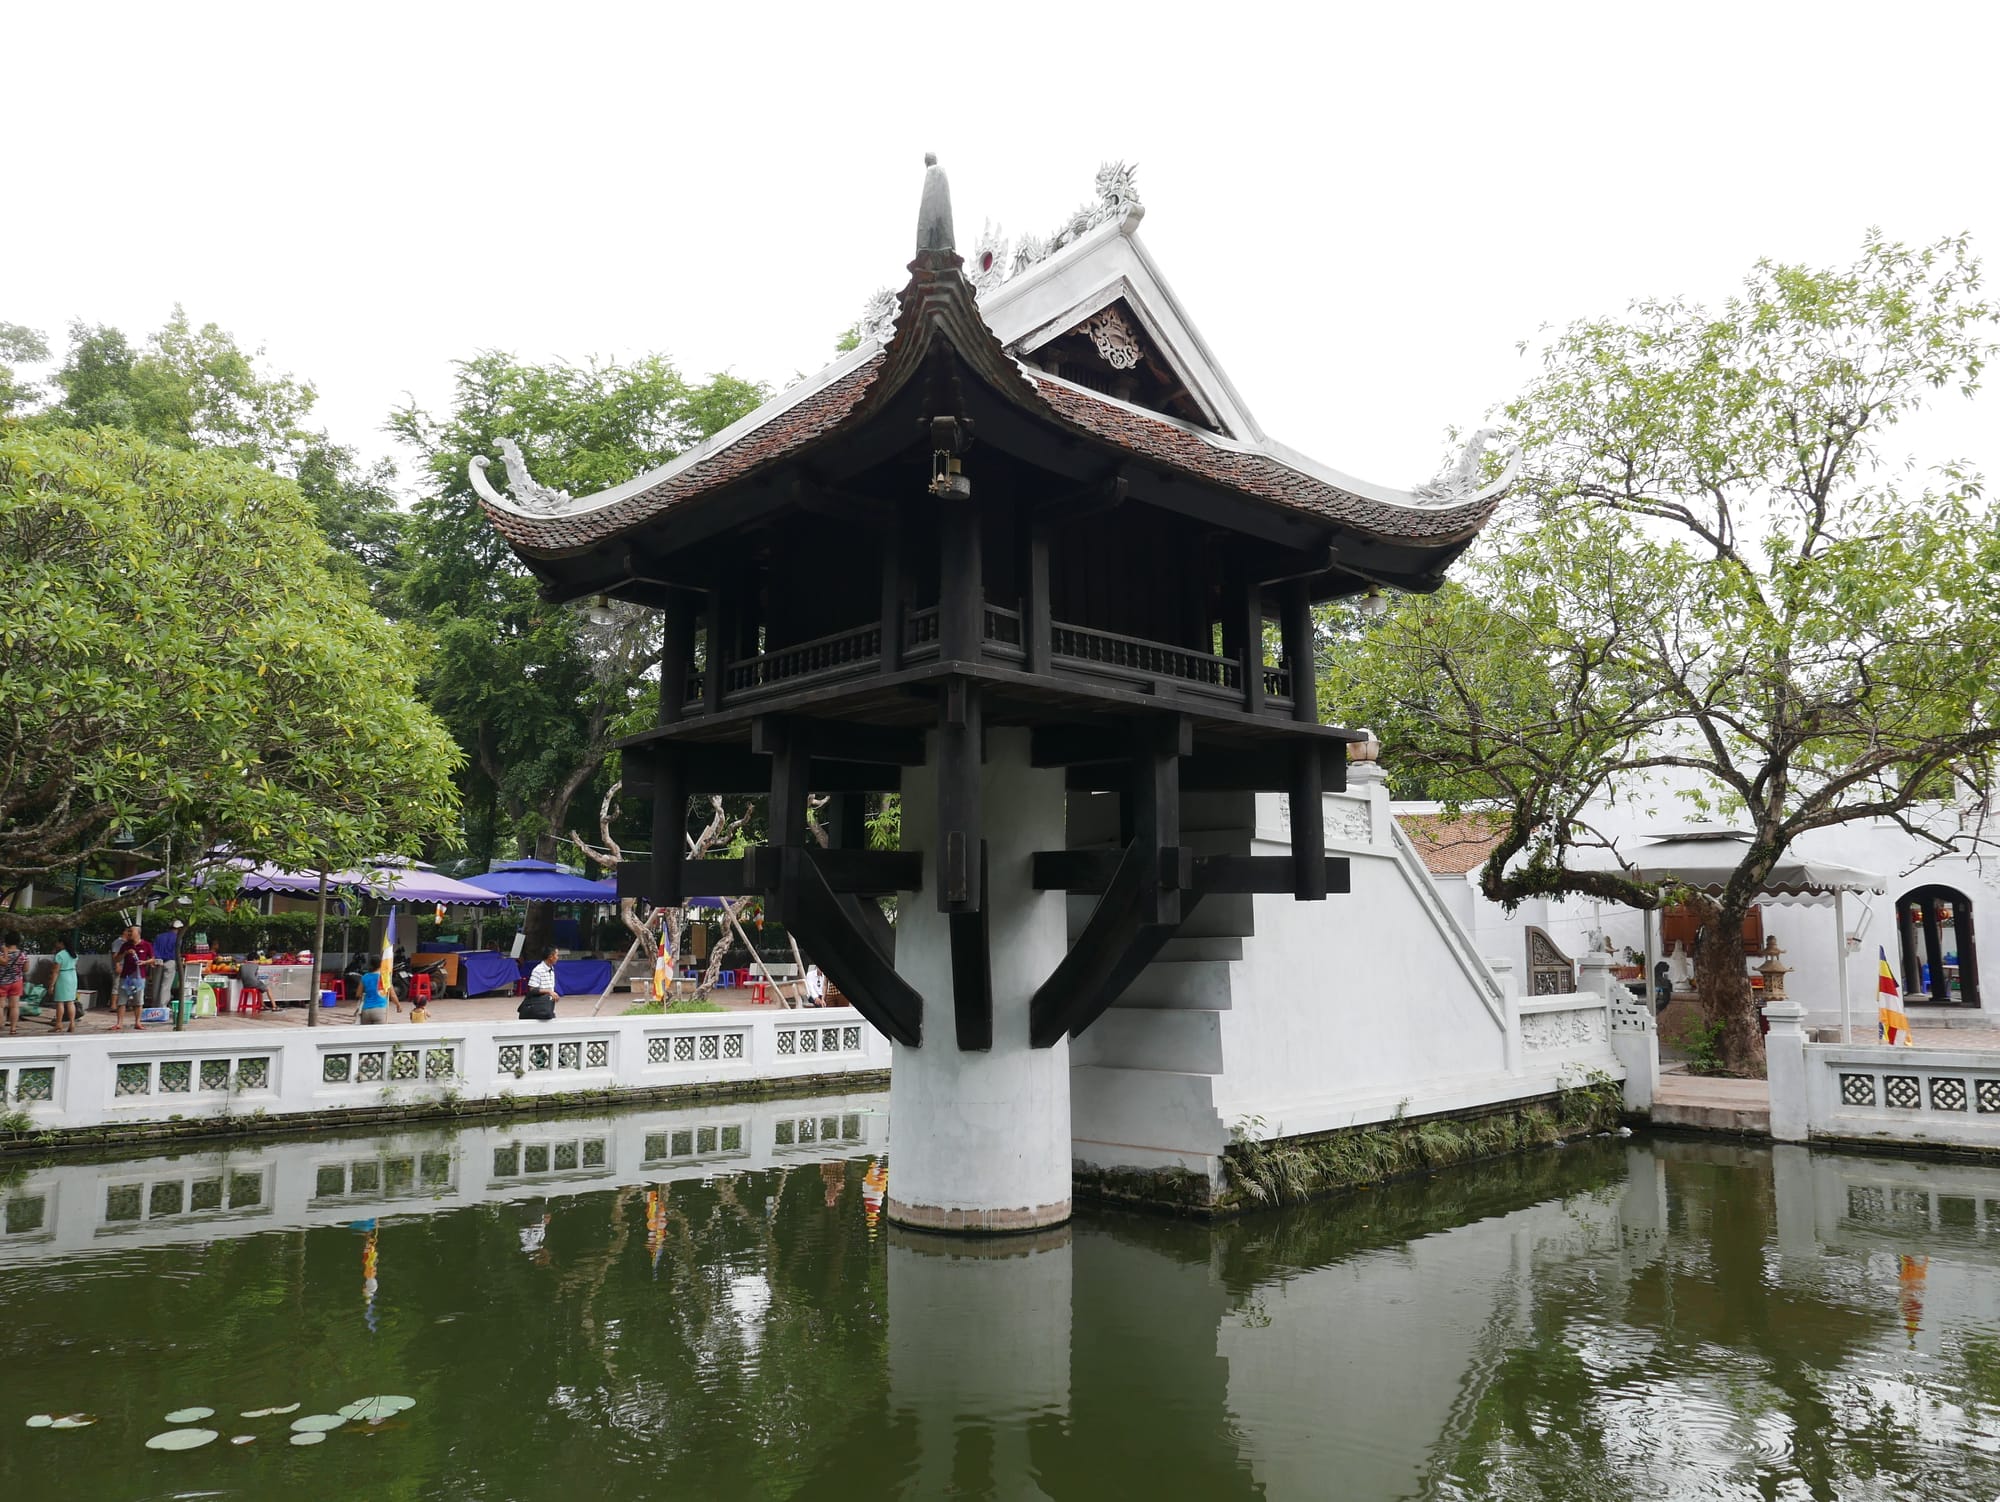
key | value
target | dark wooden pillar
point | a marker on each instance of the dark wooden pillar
(670, 797)
(1243, 638)
(722, 607)
(1296, 625)
(892, 594)
(676, 655)
(961, 583)
(958, 801)
(1037, 630)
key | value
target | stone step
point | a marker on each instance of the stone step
(1202, 984)
(1180, 1040)
(1122, 1115)
(1226, 917)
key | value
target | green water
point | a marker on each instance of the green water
(708, 1312)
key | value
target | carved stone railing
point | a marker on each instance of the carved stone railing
(823, 657)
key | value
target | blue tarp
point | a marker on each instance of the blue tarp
(484, 971)
(582, 977)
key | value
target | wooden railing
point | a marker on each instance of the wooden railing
(1074, 649)
(1129, 656)
(823, 657)
(920, 633)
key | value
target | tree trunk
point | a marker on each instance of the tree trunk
(539, 927)
(1723, 985)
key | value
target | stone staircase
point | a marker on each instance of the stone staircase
(1153, 1057)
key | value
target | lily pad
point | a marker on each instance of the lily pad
(310, 1437)
(374, 1410)
(181, 1439)
(40, 1420)
(314, 1423)
(189, 1415)
(73, 1421)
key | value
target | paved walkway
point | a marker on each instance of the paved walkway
(475, 1009)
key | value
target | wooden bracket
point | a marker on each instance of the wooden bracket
(1129, 926)
(849, 947)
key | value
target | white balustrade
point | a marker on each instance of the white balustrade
(161, 1076)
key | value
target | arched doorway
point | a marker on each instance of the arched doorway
(1939, 962)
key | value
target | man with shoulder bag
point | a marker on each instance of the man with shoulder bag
(539, 1005)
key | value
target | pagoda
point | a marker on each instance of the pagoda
(1023, 544)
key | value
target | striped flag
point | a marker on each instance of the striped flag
(1894, 1024)
(389, 953)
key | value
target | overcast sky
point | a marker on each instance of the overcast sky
(1362, 207)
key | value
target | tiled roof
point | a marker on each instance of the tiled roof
(1452, 847)
(1250, 473)
(786, 433)
(937, 308)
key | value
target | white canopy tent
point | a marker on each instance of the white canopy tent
(1705, 856)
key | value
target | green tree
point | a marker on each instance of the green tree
(1715, 576)
(537, 693)
(179, 658)
(24, 346)
(190, 388)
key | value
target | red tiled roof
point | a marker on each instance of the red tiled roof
(938, 306)
(1259, 475)
(784, 434)
(1452, 847)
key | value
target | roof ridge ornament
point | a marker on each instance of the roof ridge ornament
(878, 317)
(1466, 479)
(1117, 197)
(935, 234)
(527, 495)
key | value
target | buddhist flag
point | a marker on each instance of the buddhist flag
(1894, 1024)
(388, 966)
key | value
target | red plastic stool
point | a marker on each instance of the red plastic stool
(759, 993)
(420, 988)
(251, 1000)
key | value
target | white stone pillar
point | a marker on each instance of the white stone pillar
(1502, 970)
(979, 1330)
(1785, 1070)
(982, 1140)
(1635, 1039)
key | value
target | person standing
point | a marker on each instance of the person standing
(166, 955)
(539, 1005)
(131, 963)
(62, 989)
(13, 980)
(375, 998)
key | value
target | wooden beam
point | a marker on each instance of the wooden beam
(1080, 872)
(843, 740)
(1074, 745)
(1268, 768)
(869, 872)
(849, 953)
(961, 583)
(958, 773)
(670, 802)
(1296, 625)
(676, 655)
(710, 768)
(972, 974)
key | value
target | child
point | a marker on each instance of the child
(62, 989)
(13, 980)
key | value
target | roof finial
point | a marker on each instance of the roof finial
(934, 231)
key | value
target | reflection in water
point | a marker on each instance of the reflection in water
(706, 1303)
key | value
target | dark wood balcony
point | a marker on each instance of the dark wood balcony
(1160, 669)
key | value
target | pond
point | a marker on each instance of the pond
(705, 1304)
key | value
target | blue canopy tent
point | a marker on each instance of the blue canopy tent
(542, 881)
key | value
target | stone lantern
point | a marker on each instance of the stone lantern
(1774, 970)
